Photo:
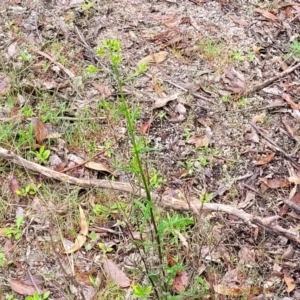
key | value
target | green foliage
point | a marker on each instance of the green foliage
(87, 6)
(30, 189)
(204, 196)
(36, 296)
(226, 99)
(141, 292)
(42, 155)
(92, 70)
(104, 249)
(295, 48)
(238, 56)
(25, 56)
(106, 211)
(16, 230)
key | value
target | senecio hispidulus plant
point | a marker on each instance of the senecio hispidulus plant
(112, 49)
(160, 275)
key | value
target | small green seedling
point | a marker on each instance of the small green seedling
(87, 6)
(295, 48)
(16, 230)
(30, 189)
(205, 197)
(105, 249)
(92, 70)
(25, 56)
(42, 155)
(36, 296)
(226, 99)
(140, 292)
(237, 55)
(156, 180)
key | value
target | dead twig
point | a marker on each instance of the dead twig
(272, 79)
(268, 223)
(292, 205)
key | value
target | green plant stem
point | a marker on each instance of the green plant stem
(136, 153)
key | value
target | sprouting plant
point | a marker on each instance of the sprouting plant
(156, 180)
(211, 49)
(205, 197)
(25, 56)
(141, 292)
(226, 99)
(105, 249)
(36, 296)
(142, 68)
(16, 230)
(92, 70)
(87, 6)
(251, 56)
(42, 155)
(3, 260)
(203, 161)
(27, 111)
(30, 189)
(295, 48)
(237, 55)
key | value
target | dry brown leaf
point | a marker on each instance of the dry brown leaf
(81, 238)
(21, 288)
(275, 183)
(294, 179)
(4, 84)
(228, 291)
(247, 256)
(14, 186)
(290, 284)
(83, 223)
(79, 242)
(40, 130)
(115, 273)
(234, 80)
(256, 49)
(266, 14)
(289, 100)
(102, 89)
(99, 167)
(157, 87)
(145, 126)
(161, 102)
(154, 58)
(182, 239)
(265, 160)
(258, 118)
(235, 19)
(180, 282)
(199, 141)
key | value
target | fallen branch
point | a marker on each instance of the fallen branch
(268, 223)
(272, 79)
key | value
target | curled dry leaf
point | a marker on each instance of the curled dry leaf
(21, 288)
(40, 130)
(180, 282)
(99, 167)
(81, 238)
(154, 58)
(102, 89)
(198, 141)
(275, 183)
(266, 14)
(14, 187)
(294, 179)
(145, 126)
(238, 21)
(265, 160)
(182, 239)
(234, 81)
(115, 273)
(290, 284)
(258, 118)
(161, 102)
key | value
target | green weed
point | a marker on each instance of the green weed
(295, 48)
(16, 231)
(41, 155)
(36, 296)
(30, 190)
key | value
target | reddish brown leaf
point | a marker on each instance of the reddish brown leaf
(289, 100)
(198, 141)
(288, 13)
(154, 58)
(8, 248)
(157, 87)
(160, 102)
(21, 288)
(115, 273)
(290, 284)
(276, 183)
(144, 128)
(14, 186)
(40, 130)
(180, 282)
(266, 14)
(238, 21)
(265, 160)
(234, 80)
(296, 198)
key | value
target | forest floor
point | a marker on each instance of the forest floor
(211, 89)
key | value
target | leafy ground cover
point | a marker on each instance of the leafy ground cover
(149, 150)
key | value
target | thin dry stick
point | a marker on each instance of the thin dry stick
(268, 223)
(272, 79)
